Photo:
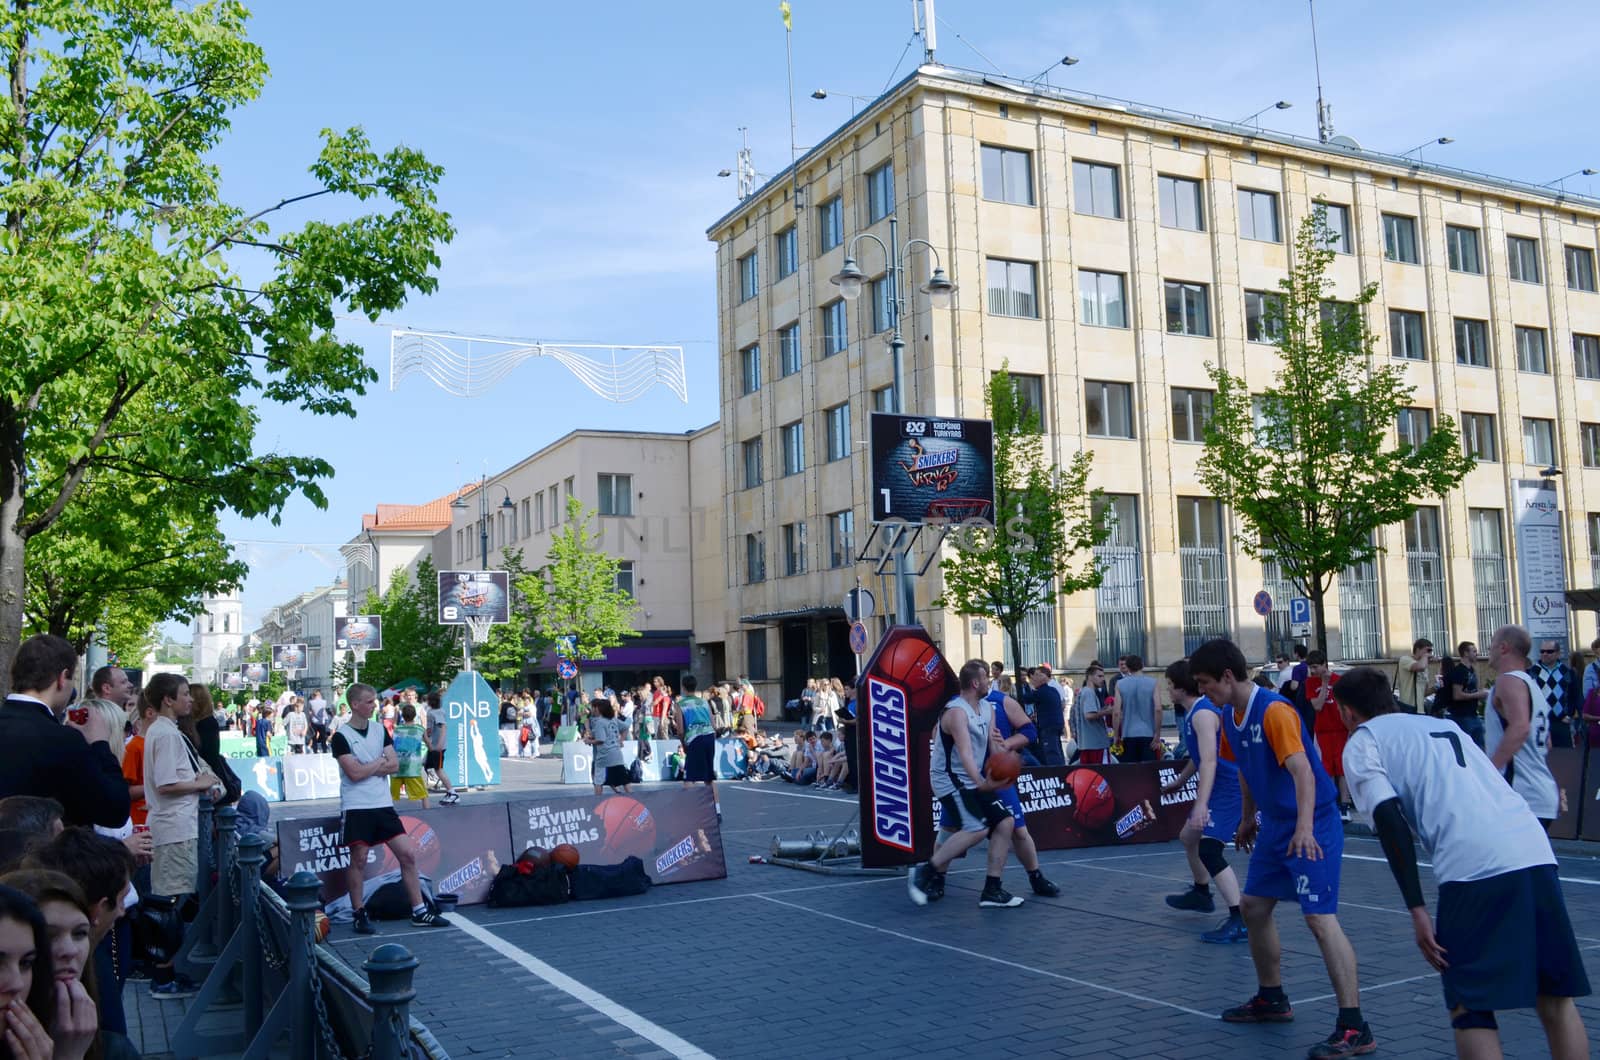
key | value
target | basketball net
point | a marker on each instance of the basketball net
(361, 656)
(479, 627)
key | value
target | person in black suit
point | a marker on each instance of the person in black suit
(71, 763)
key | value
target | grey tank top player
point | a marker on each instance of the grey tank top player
(947, 771)
(1529, 771)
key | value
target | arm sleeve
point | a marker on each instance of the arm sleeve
(1030, 730)
(1280, 724)
(1400, 849)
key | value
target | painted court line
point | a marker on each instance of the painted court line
(1429, 865)
(787, 794)
(625, 1017)
(993, 960)
(1369, 989)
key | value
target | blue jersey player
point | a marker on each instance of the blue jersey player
(1296, 854)
(1214, 818)
(1017, 731)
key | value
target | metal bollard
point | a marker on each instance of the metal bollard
(301, 896)
(205, 851)
(227, 820)
(252, 852)
(389, 971)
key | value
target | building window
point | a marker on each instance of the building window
(838, 423)
(1181, 205)
(1204, 571)
(830, 224)
(555, 507)
(755, 654)
(794, 549)
(882, 304)
(880, 193)
(1102, 298)
(841, 539)
(835, 331)
(1589, 443)
(1191, 411)
(1580, 269)
(1414, 427)
(616, 494)
(625, 576)
(1096, 189)
(572, 491)
(1487, 543)
(1263, 316)
(1538, 441)
(527, 522)
(753, 471)
(1119, 617)
(750, 368)
(1478, 437)
(1594, 548)
(755, 558)
(1531, 355)
(1425, 575)
(1340, 240)
(789, 349)
(1030, 396)
(1400, 239)
(1406, 335)
(1359, 619)
(1258, 215)
(1586, 356)
(883, 399)
(1108, 409)
(538, 511)
(1007, 175)
(1188, 309)
(1472, 342)
(748, 277)
(1461, 245)
(1011, 288)
(786, 247)
(794, 447)
(1524, 255)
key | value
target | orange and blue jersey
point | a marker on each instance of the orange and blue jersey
(1261, 742)
(1225, 803)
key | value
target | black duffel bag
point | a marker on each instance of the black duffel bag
(521, 883)
(609, 881)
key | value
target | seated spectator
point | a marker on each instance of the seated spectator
(803, 763)
(66, 917)
(32, 813)
(831, 767)
(104, 869)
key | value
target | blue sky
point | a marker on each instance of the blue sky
(581, 144)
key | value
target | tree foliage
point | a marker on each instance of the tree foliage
(513, 645)
(575, 593)
(1045, 528)
(1312, 464)
(414, 643)
(143, 317)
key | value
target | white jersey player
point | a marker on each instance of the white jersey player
(1517, 724)
(1503, 939)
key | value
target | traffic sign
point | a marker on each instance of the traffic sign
(1263, 603)
(858, 604)
(980, 627)
(858, 638)
(567, 646)
(1299, 611)
(566, 669)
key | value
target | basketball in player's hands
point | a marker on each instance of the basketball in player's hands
(1004, 767)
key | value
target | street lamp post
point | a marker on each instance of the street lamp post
(1417, 150)
(483, 516)
(940, 290)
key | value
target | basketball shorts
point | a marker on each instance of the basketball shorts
(1330, 746)
(1275, 874)
(1223, 824)
(1508, 940)
(969, 810)
(416, 788)
(433, 760)
(699, 759)
(1008, 799)
(370, 828)
(612, 776)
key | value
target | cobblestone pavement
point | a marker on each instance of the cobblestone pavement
(778, 960)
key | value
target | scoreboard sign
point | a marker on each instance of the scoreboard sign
(928, 469)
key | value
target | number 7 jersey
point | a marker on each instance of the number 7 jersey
(1468, 817)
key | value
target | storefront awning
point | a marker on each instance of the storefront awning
(817, 611)
(630, 657)
(1584, 599)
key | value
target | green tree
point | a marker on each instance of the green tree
(143, 317)
(414, 643)
(575, 593)
(512, 645)
(1312, 464)
(1041, 546)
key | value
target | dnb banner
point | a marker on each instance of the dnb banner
(931, 470)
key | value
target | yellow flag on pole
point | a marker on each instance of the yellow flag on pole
(783, 9)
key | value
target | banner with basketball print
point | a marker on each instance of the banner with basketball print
(673, 831)
(902, 691)
(459, 848)
(1089, 806)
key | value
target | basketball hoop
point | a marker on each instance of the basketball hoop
(360, 654)
(479, 626)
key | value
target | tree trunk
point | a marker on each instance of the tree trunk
(1015, 638)
(1319, 589)
(13, 583)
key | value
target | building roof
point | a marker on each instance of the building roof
(1342, 147)
(432, 516)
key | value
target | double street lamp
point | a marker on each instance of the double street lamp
(483, 515)
(940, 290)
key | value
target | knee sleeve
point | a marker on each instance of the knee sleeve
(1211, 855)
(1473, 1020)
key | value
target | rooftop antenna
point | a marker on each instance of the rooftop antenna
(1324, 112)
(744, 168)
(922, 25)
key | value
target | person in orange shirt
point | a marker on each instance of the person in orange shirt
(1329, 730)
(133, 763)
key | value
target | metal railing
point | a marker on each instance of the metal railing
(1425, 575)
(1493, 594)
(1037, 638)
(1360, 625)
(259, 951)
(1280, 639)
(1205, 595)
(1119, 625)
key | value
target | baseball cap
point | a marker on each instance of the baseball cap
(1045, 667)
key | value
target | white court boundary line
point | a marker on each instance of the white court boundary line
(625, 1017)
(845, 801)
(993, 960)
(1429, 865)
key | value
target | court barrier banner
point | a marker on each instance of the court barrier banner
(1566, 765)
(1589, 822)
(673, 830)
(577, 760)
(1090, 806)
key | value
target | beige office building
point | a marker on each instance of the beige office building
(1107, 251)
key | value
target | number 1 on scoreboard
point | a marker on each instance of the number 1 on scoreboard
(887, 504)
